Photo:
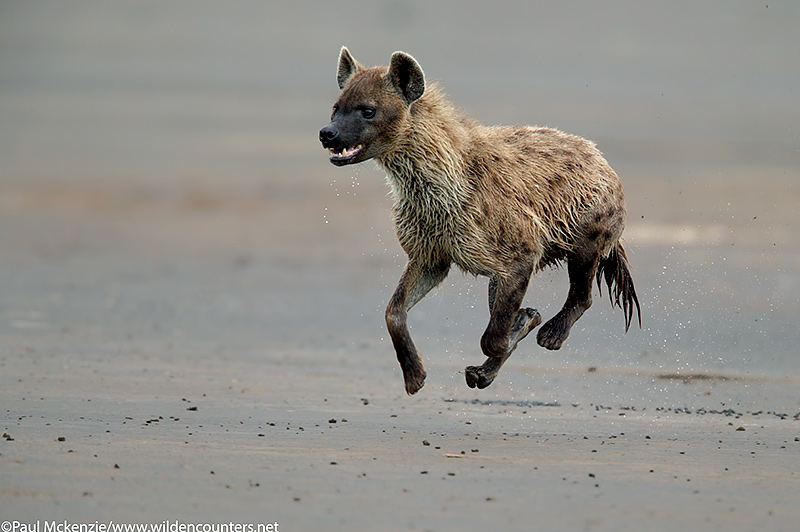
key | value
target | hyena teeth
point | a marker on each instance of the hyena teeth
(345, 152)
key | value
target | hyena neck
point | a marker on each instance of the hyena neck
(426, 171)
(428, 157)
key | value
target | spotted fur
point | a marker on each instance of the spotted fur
(501, 202)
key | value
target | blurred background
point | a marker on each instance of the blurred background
(163, 195)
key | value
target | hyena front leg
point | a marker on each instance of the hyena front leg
(508, 325)
(417, 280)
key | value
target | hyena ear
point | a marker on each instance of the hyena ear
(347, 67)
(406, 76)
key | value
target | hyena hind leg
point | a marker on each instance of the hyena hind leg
(482, 376)
(503, 334)
(581, 270)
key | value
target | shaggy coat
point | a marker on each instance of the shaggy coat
(501, 202)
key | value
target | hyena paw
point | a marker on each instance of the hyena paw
(478, 376)
(414, 379)
(553, 334)
(527, 320)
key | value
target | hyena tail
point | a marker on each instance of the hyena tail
(616, 270)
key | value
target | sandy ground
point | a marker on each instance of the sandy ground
(191, 320)
(192, 359)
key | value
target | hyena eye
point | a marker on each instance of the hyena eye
(335, 110)
(368, 112)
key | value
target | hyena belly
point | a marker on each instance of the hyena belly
(534, 194)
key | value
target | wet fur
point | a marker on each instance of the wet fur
(501, 202)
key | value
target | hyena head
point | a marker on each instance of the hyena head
(372, 107)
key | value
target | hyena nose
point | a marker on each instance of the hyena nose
(327, 134)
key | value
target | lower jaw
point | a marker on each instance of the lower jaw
(346, 156)
(341, 161)
(357, 157)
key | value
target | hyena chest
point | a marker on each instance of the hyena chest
(441, 234)
(427, 232)
(433, 220)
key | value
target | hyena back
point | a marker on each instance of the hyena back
(501, 202)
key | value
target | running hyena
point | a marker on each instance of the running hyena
(503, 202)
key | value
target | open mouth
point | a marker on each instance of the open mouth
(344, 155)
